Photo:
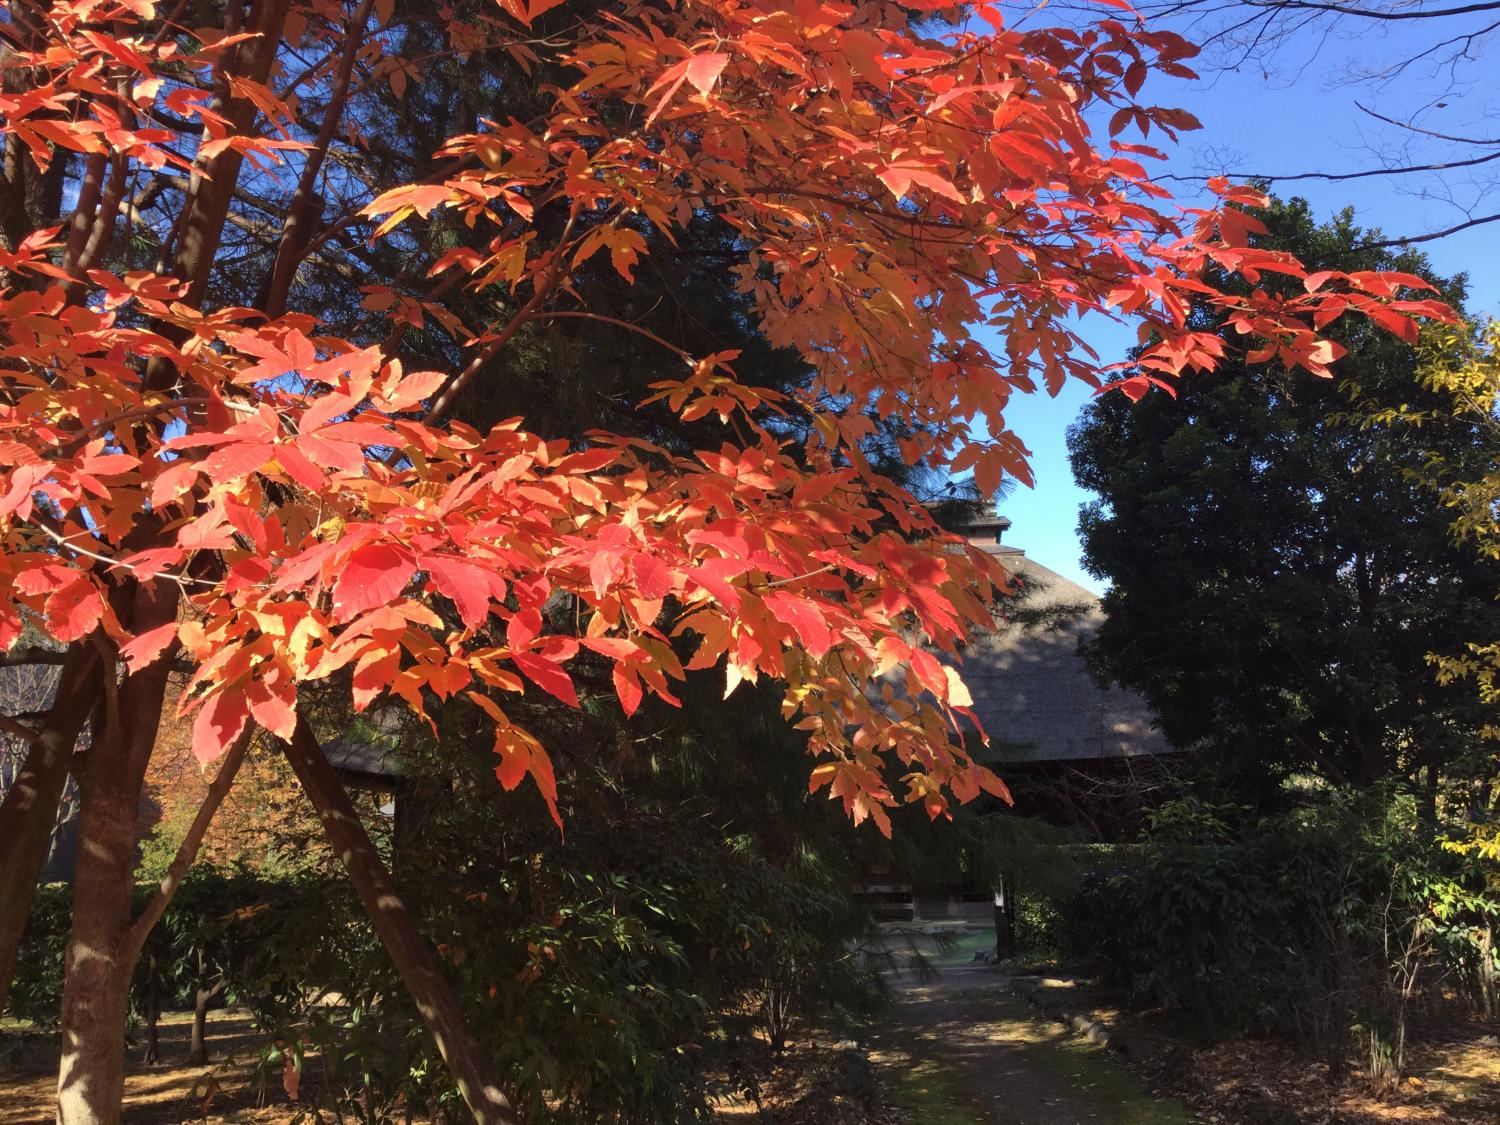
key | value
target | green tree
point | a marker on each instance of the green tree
(1279, 567)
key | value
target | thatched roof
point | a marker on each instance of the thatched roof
(1031, 690)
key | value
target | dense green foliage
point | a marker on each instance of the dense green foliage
(1282, 575)
(632, 1000)
(1331, 918)
(1279, 567)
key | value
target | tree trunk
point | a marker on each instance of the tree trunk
(1005, 915)
(101, 954)
(198, 1044)
(408, 950)
(153, 1012)
(91, 1075)
(29, 811)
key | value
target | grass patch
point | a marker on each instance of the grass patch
(1095, 1076)
(931, 1093)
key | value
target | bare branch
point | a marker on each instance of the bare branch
(1427, 132)
(23, 657)
(1411, 240)
(1373, 13)
(18, 730)
(1406, 170)
(290, 249)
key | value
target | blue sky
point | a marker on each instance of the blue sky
(1289, 119)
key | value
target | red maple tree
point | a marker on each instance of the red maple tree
(241, 489)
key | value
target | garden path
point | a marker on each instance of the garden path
(958, 1050)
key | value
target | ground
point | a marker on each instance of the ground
(1453, 1064)
(959, 1050)
(956, 1048)
(227, 1090)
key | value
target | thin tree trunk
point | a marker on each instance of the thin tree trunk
(202, 998)
(153, 1012)
(408, 950)
(29, 810)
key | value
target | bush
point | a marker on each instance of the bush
(1313, 925)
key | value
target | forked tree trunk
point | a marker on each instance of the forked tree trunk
(29, 810)
(198, 1043)
(91, 1075)
(409, 951)
(91, 1079)
(203, 995)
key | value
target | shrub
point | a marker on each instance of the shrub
(1321, 922)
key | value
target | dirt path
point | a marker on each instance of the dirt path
(959, 1051)
(224, 1091)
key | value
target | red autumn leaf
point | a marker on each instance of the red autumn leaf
(219, 722)
(616, 648)
(547, 675)
(805, 617)
(652, 577)
(274, 706)
(466, 585)
(373, 674)
(627, 688)
(73, 610)
(230, 462)
(173, 481)
(900, 177)
(371, 576)
(299, 468)
(148, 564)
(930, 672)
(144, 649)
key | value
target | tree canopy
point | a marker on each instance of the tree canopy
(1280, 568)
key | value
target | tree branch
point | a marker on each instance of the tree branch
(22, 657)
(18, 730)
(1413, 239)
(1404, 170)
(187, 851)
(289, 251)
(1371, 14)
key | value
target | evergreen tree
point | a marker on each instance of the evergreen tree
(1279, 573)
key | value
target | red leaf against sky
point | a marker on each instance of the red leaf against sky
(903, 192)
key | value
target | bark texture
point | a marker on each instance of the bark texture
(409, 951)
(29, 810)
(101, 956)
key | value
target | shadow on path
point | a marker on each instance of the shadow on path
(957, 1050)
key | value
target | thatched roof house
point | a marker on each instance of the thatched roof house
(1031, 688)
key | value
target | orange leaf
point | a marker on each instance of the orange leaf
(704, 70)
